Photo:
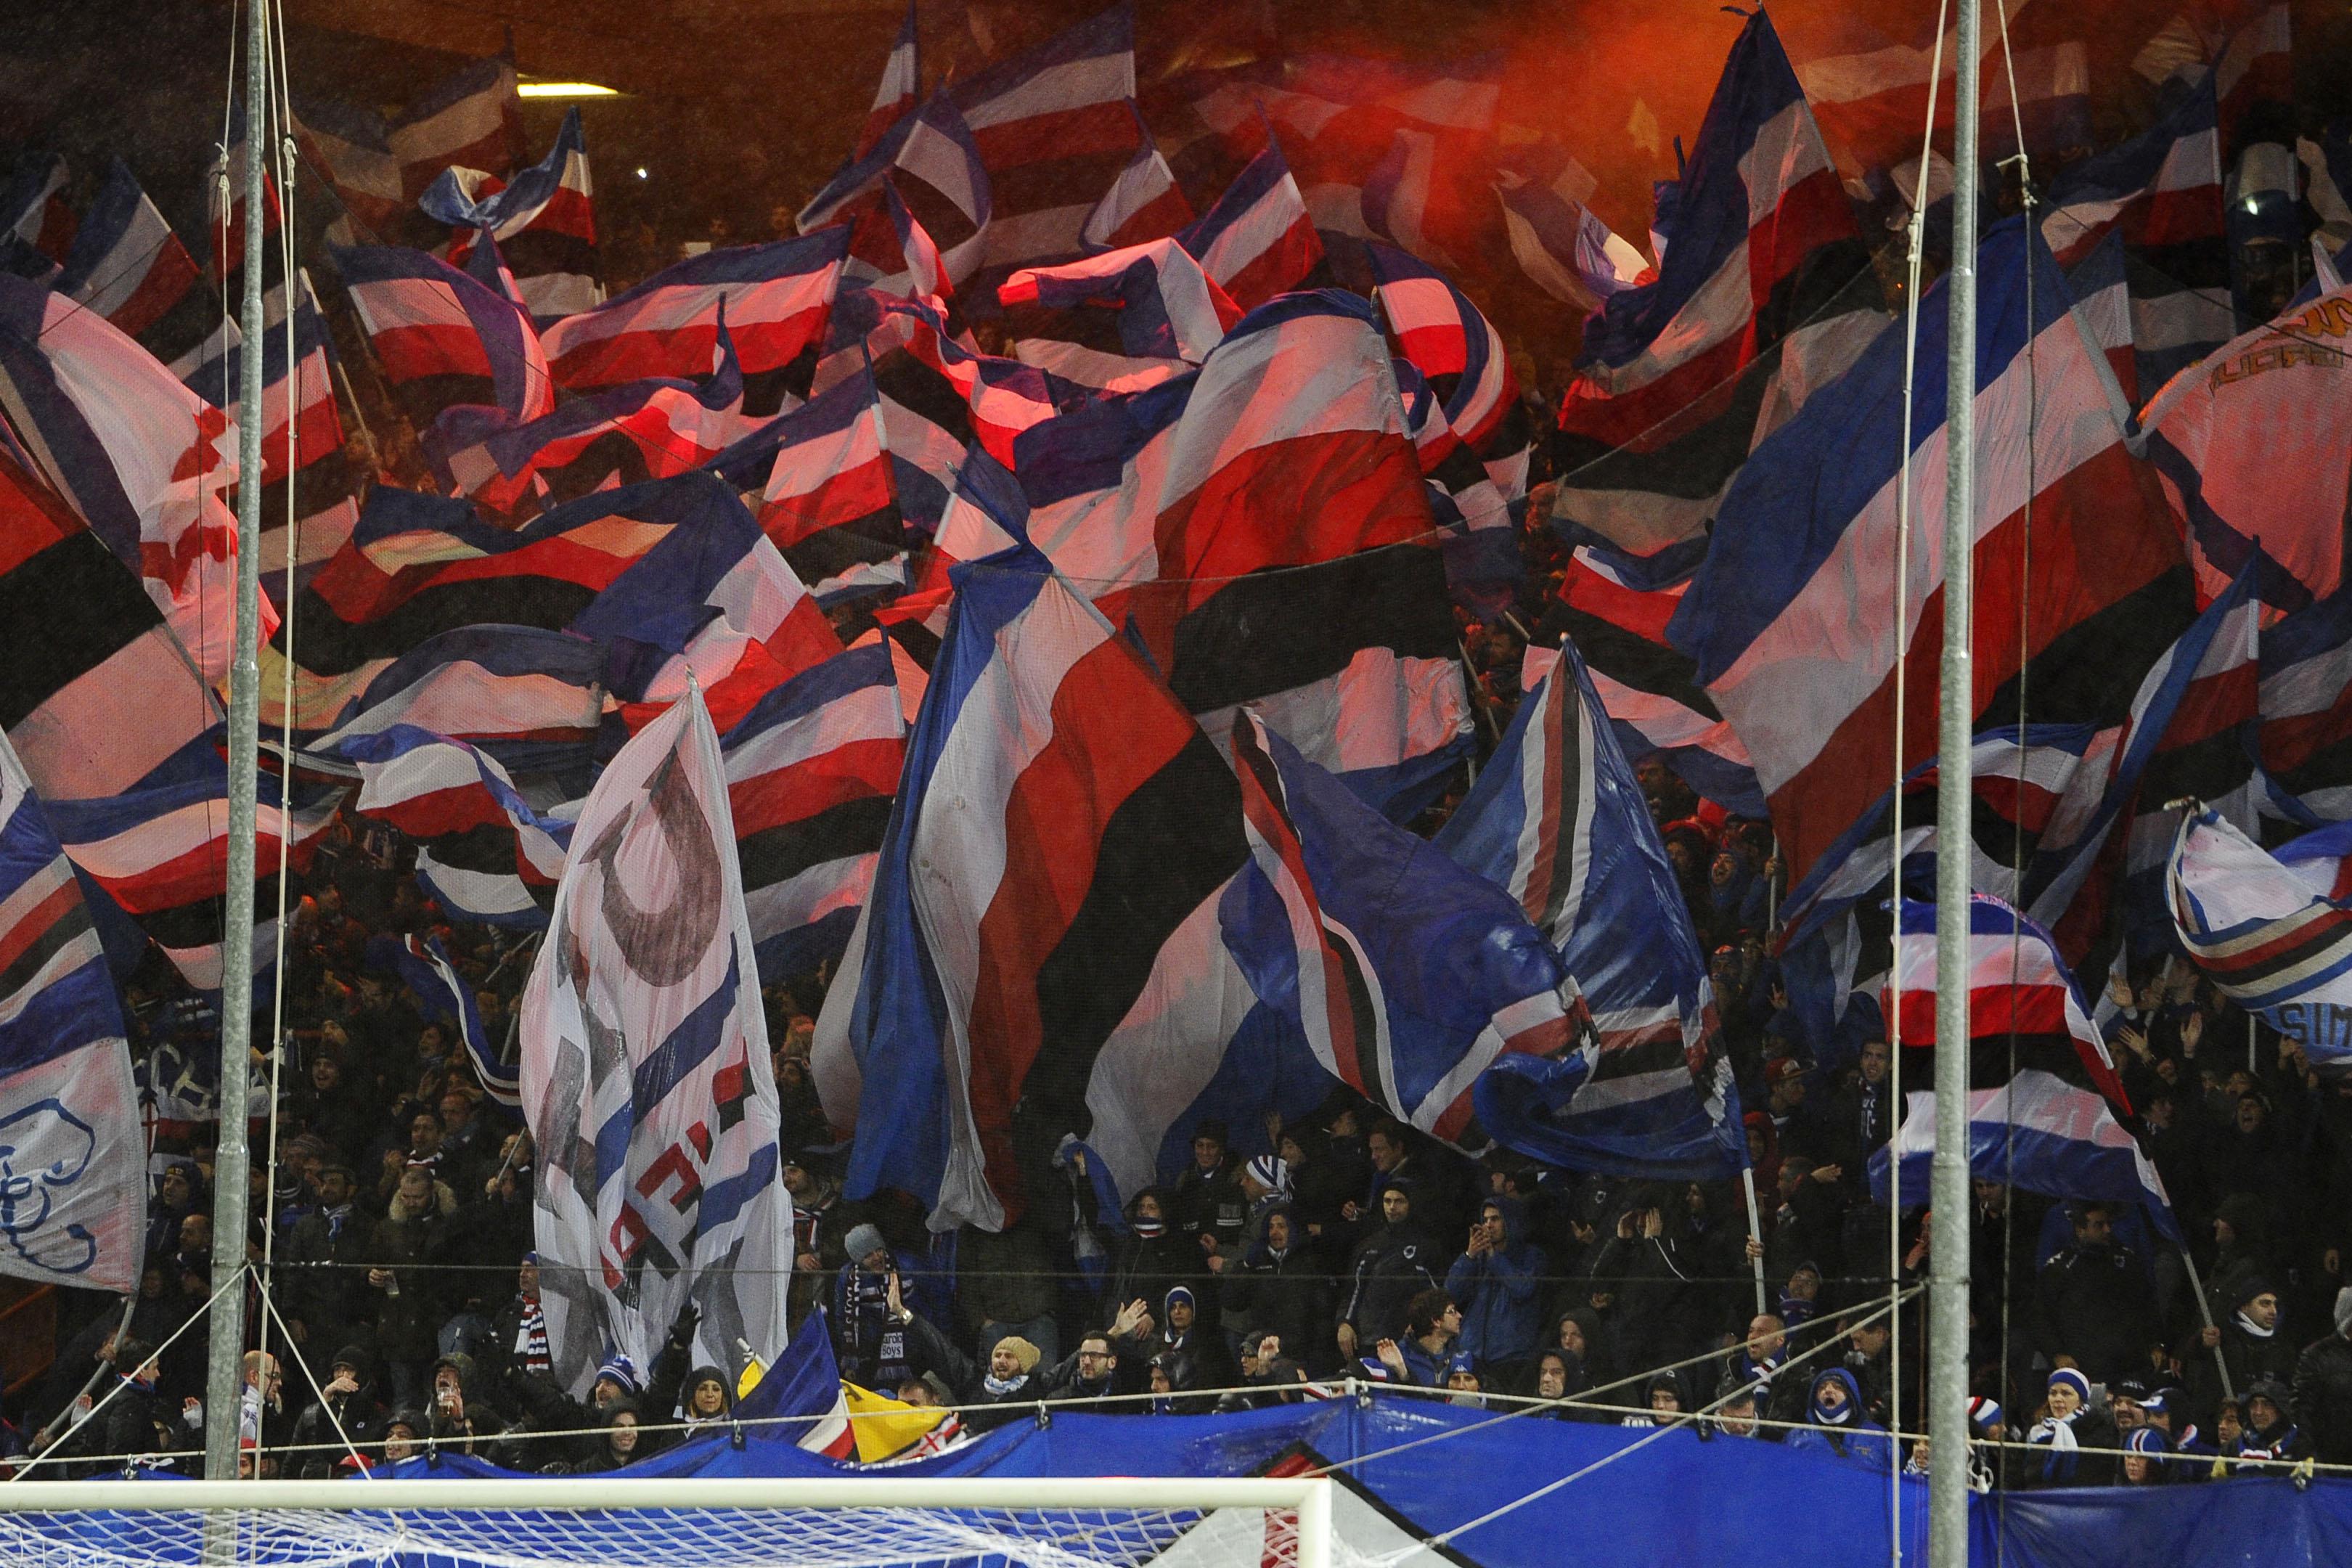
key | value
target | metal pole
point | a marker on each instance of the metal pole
(1754, 1234)
(1947, 1262)
(2205, 1314)
(224, 1379)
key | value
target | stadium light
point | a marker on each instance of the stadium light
(561, 90)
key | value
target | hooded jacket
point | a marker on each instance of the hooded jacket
(1500, 1292)
(1848, 1432)
(2323, 1388)
(1284, 1293)
(1392, 1265)
(1144, 1268)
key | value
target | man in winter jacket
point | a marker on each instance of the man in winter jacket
(349, 1412)
(2094, 1302)
(1278, 1288)
(2251, 1339)
(1496, 1281)
(2323, 1387)
(323, 1262)
(1385, 1271)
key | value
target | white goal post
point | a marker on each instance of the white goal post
(866, 1522)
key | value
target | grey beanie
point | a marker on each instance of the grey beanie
(864, 1239)
(2344, 1311)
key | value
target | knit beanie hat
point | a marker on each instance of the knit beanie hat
(2073, 1380)
(865, 1239)
(1024, 1355)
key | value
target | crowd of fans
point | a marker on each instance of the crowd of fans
(396, 1220)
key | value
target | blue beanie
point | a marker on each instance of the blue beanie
(622, 1371)
(2073, 1380)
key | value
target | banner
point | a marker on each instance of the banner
(73, 1166)
(644, 1073)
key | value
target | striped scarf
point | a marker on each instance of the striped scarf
(531, 1338)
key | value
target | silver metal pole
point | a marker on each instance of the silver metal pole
(224, 1379)
(1948, 1261)
(1754, 1234)
(2205, 1315)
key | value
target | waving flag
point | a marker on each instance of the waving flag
(143, 460)
(95, 695)
(530, 697)
(2101, 292)
(643, 430)
(1407, 976)
(2305, 705)
(33, 207)
(1143, 204)
(894, 97)
(2271, 927)
(1120, 321)
(474, 118)
(482, 851)
(830, 501)
(1556, 821)
(645, 1072)
(77, 1199)
(443, 338)
(1560, 244)
(1764, 294)
(1615, 607)
(933, 165)
(811, 770)
(776, 296)
(1055, 127)
(1452, 344)
(443, 995)
(2282, 506)
(543, 219)
(800, 1393)
(2053, 1127)
(126, 263)
(1261, 525)
(1481, 547)
(351, 147)
(300, 424)
(2162, 193)
(1256, 240)
(1042, 930)
(1793, 634)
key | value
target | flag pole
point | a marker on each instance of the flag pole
(1947, 1267)
(1754, 1234)
(225, 1369)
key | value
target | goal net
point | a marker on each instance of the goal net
(679, 1524)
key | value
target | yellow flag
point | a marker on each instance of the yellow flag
(753, 1371)
(885, 1427)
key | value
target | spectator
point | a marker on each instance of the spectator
(2068, 1425)
(2148, 1458)
(618, 1444)
(1433, 1325)
(869, 1332)
(1208, 1202)
(1735, 1415)
(2268, 1436)
(324, 1256)
(462, 1414)
(1496, 1282)
(1838, 1424)
(1152, 1260)
(1392, 1263)
(1092, 1371)
(2323, 1387)
(1662, 1396)
(345, 1412)
(2249, 1340)
(408, 1242)
(1180, 1334)
(2092, 1301)
(1757, 1367)
(1278, 1288)
(518, 1343)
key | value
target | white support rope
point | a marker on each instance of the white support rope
(1916, 233)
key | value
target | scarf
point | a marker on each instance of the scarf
(2066, 1453)
(335, 1218)
(2248, 1326)
(531, 1338)
(1002, 1387)
(1150, 1229)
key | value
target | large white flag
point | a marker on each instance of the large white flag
(645, 1072)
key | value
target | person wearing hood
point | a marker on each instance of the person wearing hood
(2323, 1387)
(1663, 1397)
(1839, 1425)
(1153, 1258)
(621, 1442)
(707, 1401)
(666, 1379)
(461, 1414)
(1580, 1332)
(1169, 1377)
(1393, 1262)
(1559, 1374)
(1181, 1333)
(346, 1410)
(2268, 1437)
(1208, 1201)
(1277, 1287)
(1496, 1281)
(2068, 1425)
